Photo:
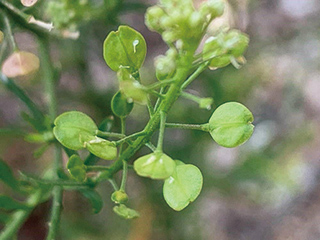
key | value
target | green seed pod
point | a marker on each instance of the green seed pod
(119, 197)
(230, 124)
(153, 17)
(156, 165)
(120, 106)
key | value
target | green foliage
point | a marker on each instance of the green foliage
(74, 128)
(7, 203)
(6, 175)
(94, 198)
(230, 124)
(183, 186)
(76, 168)
(155, 165)
(125, 48)
(102, 148)
(120, 106)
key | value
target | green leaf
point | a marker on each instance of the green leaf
(183, 187)
(7, 203)
(76, 168)
(102, 148)
(120, 106)
(94, 199)
(6, 175)
(125, 48)
(73, 128)
(155, 165)
(230, 124)
(125, 212)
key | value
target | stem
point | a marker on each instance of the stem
(114, 184)
(149, 105)
(49, 83)
(9, 32)
(191, 97)
(96, 168)
(129, 137)
(125, 165)
(200, 127)
(199, 70)
(151, 146)
(109, 134)
(163, 117)
(160, 84)
(159, 99)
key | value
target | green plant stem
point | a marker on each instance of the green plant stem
(96, 168)
(199, 70)
(151, 146)
(200, 127)
(173, 93)
(20, 216)
(123, 140)
(159, 99)
(160, 84)
(109, 134)
(149, 105)
(191, 97)
(9, 32)
(162, 128)
(114, 184)
(19, 93)
(49, 83)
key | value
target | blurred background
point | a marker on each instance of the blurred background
(266, 189)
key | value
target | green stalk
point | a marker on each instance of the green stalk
(163, 117)
(49, 83)
(109, 134)
(9, 32)
(200, 127)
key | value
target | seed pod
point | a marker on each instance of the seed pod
(119, 197)
(20, 63)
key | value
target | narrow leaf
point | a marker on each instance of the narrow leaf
(94, 199)
(7, 203)
(6, 175)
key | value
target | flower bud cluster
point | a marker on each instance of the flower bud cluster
(178, 21)
(222, 49)
(67, 14)
(166, 65)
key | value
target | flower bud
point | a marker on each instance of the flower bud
(152, 18)
(119, 197)
(213, 7)
(169, 36)
(236, 42)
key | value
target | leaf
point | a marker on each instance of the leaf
(125, 212)
(94, 199)
(183, 187)
(102, 148)
(20, 63)
(76, 168)
(6, 175)
(120, 106)
(125, 48)
(70, 125)
(154, 165)
(230, 124)
(7, 203)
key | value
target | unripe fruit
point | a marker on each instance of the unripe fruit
(119, 197)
